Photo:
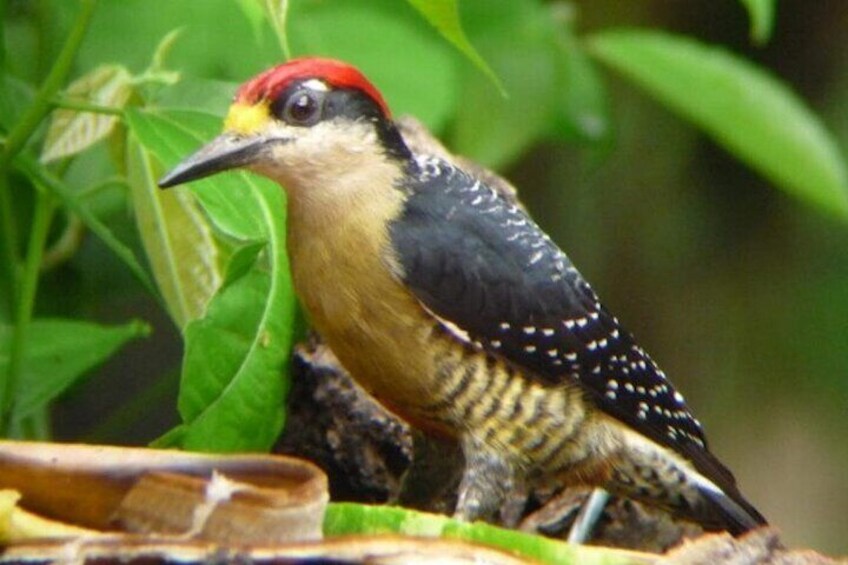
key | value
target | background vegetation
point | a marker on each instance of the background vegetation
(651, 155)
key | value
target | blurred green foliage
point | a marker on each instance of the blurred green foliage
(739, 291)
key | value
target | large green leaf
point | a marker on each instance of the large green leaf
(235, 202)
(232, 389)
(58, 354)
(761, 13)
(749, 112)
(232, 369)
(177, 238)
(361, 519)
(444, 16)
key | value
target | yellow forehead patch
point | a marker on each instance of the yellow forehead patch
(247, 118)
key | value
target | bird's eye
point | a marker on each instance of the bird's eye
(302, 109)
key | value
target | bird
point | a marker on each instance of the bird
(448, 304)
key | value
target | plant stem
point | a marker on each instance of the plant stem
(23, 291)
(41, 176)
(22, 131)
(42, 215)
(8, 232)
(9, 235)
(66, 245)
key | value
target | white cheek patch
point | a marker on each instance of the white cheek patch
(336, 140)
(323, 156)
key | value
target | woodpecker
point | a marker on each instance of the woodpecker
(448, 304)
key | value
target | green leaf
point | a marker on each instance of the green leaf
(233, 384)
(231, 370)
(243, 259)
(518, 38)
(761, 13)
(59, 353)
(198, 95)
(15, 97)
(581, 110)
(177, 238)
(418, 79)
(444, 16)
(237, 203)
(361, 519)
(746, 110)
(173, 438)
(72, 131)
(255, 15)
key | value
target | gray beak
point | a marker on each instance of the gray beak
(227, 151)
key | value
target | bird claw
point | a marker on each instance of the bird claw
(489, 485)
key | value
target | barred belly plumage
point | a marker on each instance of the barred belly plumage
(542, 427)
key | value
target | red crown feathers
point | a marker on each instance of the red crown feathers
(269, 84)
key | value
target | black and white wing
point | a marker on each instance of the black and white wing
(479, 262)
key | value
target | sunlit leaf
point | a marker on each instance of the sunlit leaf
(59, 353)
(761, 13)
(177, 238)
(344, 519)
(751, 113)
(233, 380)
(444, 16)
(170, 136)
(73, 131)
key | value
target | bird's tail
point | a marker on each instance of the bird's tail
(727, 511)
(660, 478)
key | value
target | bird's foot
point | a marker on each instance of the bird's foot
(489, 485)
